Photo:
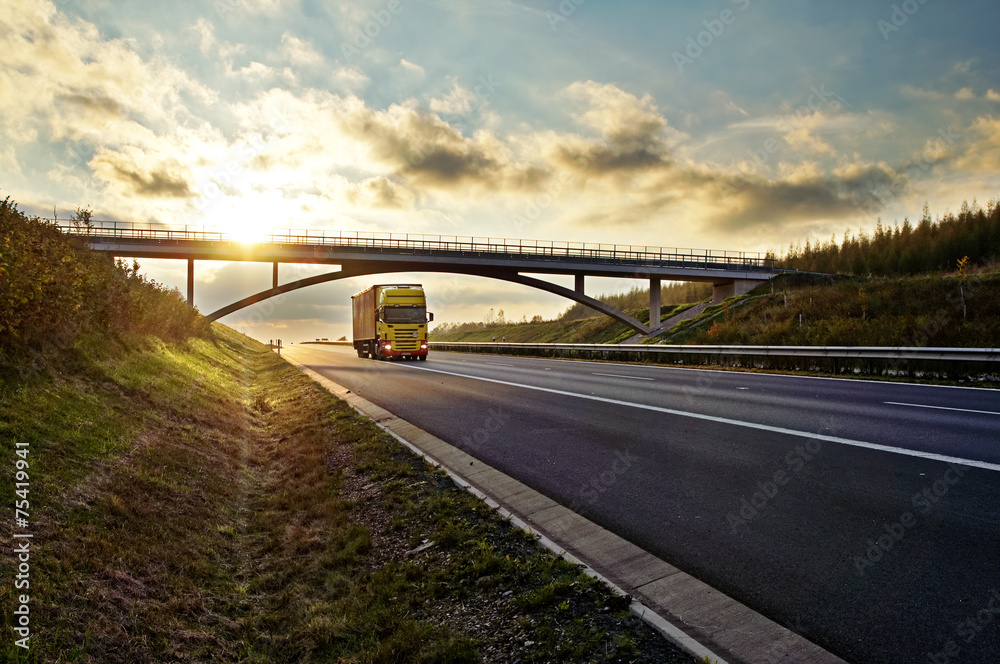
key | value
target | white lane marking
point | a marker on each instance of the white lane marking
(960, 410)
(495, 364)
(725, 420)
(620, 376)
(761, 375)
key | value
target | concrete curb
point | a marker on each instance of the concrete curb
(697, 618)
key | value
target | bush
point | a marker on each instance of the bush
(54, 292)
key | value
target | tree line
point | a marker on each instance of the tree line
(899, 250)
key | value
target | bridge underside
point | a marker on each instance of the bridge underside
(721, 291)
(729, 276)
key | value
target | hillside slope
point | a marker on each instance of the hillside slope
(936, 310)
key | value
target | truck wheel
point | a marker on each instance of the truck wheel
(422, 358)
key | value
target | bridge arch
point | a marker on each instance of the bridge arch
(359, 271)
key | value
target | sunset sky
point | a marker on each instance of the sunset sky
(733, 124)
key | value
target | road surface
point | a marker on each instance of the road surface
(863, 515)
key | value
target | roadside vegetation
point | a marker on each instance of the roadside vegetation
(931, 246)
(57, 298)
(193, 497)
(935, 284)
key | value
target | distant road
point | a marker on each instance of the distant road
(863, 515)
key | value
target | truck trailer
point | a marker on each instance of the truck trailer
(390, 320)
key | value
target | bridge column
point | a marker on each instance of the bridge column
(578, 283)
(274, 278)
(190, 282)
(722, 290)
(654, 303)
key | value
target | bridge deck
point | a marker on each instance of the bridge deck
(324, 246)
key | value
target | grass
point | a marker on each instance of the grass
(206, 501)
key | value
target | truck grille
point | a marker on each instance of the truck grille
(406, 339)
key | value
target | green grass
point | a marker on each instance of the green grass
(206, 501)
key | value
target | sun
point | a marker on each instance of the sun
(253, 220)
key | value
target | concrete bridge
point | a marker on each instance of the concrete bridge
(358, 254)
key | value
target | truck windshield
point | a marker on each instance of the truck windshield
(405, 315)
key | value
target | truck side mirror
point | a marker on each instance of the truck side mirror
(430, 317)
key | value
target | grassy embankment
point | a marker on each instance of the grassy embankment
(197, 498)
(933, 284)
(205, 500)
(598, 329)
(951, 310)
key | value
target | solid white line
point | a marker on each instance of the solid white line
(621, 376)
(960, 410)
(725, 420)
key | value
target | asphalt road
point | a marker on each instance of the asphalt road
(863, 515)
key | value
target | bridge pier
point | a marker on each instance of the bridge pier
(578, 283)
(274, 277)
(723, 289)
(654, 303)
(190, 283)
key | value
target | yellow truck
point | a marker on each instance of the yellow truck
(391, 321)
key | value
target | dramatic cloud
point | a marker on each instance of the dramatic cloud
(164, 179)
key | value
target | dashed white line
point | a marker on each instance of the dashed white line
(620, 376)
(959, 410)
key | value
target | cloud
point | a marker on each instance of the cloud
(965, 94)
(458, 101)
(299, 52)
(983, 152)
(204, 33)
(46, 60)
(380, 192)
(417, 145)
(913, 92)
(349, 78)
(411, 67)
(992, 95)
(140, 176)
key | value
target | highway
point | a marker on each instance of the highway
(863, 515)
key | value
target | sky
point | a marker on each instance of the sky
(731, 124)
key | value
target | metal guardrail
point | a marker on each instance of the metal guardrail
(833, 352)
(453, 245)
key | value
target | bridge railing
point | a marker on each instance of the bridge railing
(434, 244)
